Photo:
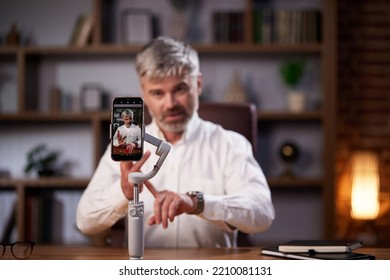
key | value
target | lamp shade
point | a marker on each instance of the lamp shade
(365, 187)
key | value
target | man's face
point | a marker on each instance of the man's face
(172, 100)
(128, 120)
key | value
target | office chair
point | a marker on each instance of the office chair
(241, 118)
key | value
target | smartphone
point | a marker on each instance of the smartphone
(127, 128)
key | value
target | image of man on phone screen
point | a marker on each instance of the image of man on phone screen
(128, 135)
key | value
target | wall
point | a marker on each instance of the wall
(364, 90)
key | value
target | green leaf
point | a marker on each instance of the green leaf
(292, 71)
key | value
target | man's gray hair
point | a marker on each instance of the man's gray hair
(164, 57)
(127, 112)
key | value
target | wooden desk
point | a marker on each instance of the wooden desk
(46, 252)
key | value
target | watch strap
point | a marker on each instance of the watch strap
(200, 199)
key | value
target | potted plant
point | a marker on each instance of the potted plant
(291, 72)
(41, 159)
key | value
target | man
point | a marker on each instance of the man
(209, 186)
(128, 135)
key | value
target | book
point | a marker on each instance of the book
(39, 213)
(82, 31)
(274, 252)
(228, 26)
(76, 29)
(9, 225)
(319, 246)
(55, 99)
(85, 32)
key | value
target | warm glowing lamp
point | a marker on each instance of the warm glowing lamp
(360, 203)
(365, 187)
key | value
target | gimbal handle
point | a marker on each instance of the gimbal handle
(136, 207)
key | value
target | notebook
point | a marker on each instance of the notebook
(319, 246)
(273, 251)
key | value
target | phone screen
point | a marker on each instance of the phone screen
(127, 128)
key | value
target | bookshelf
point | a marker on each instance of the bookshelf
(31, 66)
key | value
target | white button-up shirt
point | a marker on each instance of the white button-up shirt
(209, 159)
(132, 134)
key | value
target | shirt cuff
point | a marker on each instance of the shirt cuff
(119, 201)
(215, 212)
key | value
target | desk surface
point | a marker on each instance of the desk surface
(48, 252)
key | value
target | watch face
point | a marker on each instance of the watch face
(193, 193)
(199, 196)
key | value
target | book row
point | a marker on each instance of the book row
(286, 26)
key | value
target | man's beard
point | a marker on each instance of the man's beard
(177, 126)
(174, 127)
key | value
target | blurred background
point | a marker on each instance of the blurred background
(317, 70)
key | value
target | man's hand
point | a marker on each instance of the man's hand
(122, 141)
(129, 148)
(128, 167)
(168, 205)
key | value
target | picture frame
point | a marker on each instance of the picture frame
(137, 26)
(92, 97)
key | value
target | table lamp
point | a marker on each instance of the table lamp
(360, 200)
(365, 186)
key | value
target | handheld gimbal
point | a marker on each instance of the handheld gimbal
(136, 207)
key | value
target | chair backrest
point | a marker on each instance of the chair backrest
(238, 117)
(241, 118)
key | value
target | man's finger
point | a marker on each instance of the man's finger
(141, 162)
(151, 221)
(125, 166)
(151, 188)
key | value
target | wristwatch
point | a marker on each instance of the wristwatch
(200, 206)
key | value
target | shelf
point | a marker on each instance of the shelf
(90, 50)
(288, 116)
(70, 183)
(259, 48)
(9, 50)
(105, 116)
(57, 117)
(294, 183)
(111, 49)
(53, 183)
